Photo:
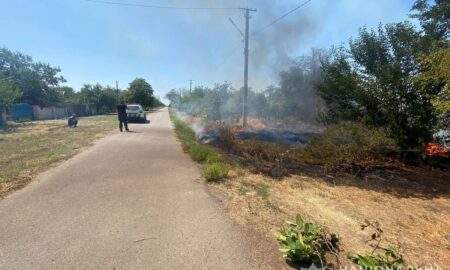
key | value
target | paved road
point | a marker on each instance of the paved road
(132, 201)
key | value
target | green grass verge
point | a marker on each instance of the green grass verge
(214, 168)
(30, 147)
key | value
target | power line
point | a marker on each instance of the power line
(235, 26)
(280, 18)
(160, 7)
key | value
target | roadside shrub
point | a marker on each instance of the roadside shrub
(215, 171)
(348, 145)
(201, 153)
(306, 242)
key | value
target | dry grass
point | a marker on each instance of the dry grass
(414, 216)
(31, 147)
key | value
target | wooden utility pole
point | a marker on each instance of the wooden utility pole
(247, 30)
(117, 92)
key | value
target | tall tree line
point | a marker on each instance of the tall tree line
(23, 80)
(395, 76)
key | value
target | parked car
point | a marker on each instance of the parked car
(135, 112)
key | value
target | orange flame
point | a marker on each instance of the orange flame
(435, 150)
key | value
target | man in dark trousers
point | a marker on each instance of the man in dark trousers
(122, 114)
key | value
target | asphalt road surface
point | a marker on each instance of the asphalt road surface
(132, 201)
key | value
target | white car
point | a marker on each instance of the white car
(135, 112)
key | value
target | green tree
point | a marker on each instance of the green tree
(434, 17)
(8, 94)
(173, 98)
(90, 94)
(374, 83)
(341, 90)
(434, 81)
(107, 100)
(33, 79)
(140, 92)
(157, 102)
(68, 95)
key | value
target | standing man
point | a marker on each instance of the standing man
(122, 114)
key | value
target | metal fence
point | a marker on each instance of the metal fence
(24, 112)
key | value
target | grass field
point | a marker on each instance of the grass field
(412, 208)
(31, 147)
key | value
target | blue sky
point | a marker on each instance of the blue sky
(101, 43)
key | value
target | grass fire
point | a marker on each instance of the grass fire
(341, 137)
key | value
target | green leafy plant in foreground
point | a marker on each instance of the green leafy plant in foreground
(389, 258)
(306, 242)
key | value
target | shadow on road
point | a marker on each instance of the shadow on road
(140, 123)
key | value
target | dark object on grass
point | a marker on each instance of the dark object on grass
(73, 120)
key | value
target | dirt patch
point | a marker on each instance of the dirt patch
(413, 207)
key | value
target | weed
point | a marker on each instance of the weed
(201, 153)
(389, 258)
(215, 171)
(306, 242)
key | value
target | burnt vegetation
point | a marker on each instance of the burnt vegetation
(376, 103)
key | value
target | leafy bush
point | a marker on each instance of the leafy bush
(306, 242)
(215, 171)
(348, 144)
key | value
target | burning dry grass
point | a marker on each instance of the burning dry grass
(348, 147)
(213, 166)
(418, 222)
(30, 147)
